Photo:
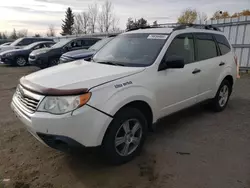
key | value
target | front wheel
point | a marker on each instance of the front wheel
(53, 62)
(125, 136)
(221, 99)
(21, 61)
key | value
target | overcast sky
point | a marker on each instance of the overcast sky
(36, 15)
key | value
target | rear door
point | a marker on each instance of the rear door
(209, 59)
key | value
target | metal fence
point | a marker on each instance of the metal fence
(237, 30)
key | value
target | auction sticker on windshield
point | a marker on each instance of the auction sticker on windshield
(161, 37)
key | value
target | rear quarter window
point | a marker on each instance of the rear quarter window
(223, 44)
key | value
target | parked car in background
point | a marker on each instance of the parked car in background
(21, 42)
(50, 56)
(135, 80)
(5, 44)
(20, 57)
(84, 54)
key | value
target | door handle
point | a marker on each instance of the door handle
(196, 71)
(221, 64)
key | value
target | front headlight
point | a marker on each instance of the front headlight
(62, 105)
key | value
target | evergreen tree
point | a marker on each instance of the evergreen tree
(1, 36)
(67, 26)
(13, 35)
(4, 36)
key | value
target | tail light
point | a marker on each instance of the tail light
(237, 65)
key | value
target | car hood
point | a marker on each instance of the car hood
(5, 48)
(80, 74)
(79, 53)
(11, 51)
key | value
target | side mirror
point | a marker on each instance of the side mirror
(172, 62)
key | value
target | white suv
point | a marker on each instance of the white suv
(136, 79)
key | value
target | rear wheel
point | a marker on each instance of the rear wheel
(125, 136)
(21, 61)
(220, 101)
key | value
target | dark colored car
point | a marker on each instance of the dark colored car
(20, 56)
(50, 56)
(84, 54)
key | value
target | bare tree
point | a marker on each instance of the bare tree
(93, 14)
(81, 23)
(22, 33)
(220, 15)
(114, 25)
(51, 31)
(101, 22)
(202, 17)
(106, 18)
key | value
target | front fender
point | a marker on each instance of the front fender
(110, 101)
(113, 101)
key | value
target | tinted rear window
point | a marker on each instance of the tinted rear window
(206, 47)
(223, 44)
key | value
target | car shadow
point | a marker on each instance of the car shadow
(92, 171)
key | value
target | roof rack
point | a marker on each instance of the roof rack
(197, 26)
(177, 26)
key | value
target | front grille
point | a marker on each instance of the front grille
(29, 103)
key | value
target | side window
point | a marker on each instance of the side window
(92, 42)
(84, 42)
(223, 44)
(183, 46)
(75, 44)
(49, 45)
(78, 44)
(37, 47)
(206, 47)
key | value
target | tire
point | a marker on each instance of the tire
(21, 61)
(218, 104)
(127, 117)
(53, 62)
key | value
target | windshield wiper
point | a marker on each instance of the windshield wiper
(110, 63)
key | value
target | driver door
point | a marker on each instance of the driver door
(178, 88)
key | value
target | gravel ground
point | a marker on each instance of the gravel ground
(195, 148)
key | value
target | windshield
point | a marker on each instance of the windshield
(97, 46)
(16, 42)
(140, 49)
(61, 43)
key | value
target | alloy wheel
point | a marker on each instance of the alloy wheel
(128, 137)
